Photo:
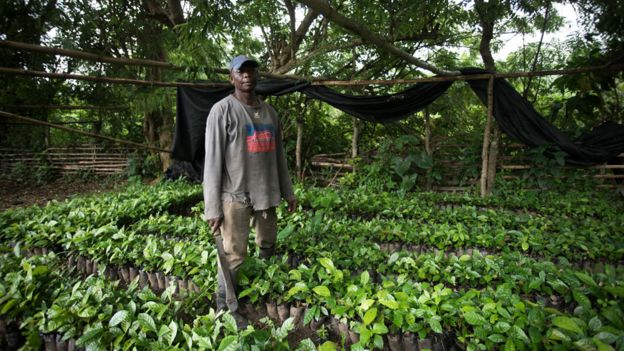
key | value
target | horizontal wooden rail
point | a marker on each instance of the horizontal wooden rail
(65, 107)
(118, 60)
(108, 79)
(76, 131)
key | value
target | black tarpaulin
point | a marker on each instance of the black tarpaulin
(520, 121)
(194, 104)
(382, 108)
(516, 116)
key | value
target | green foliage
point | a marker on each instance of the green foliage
(26, 174)
(508, 271)
(396, 165)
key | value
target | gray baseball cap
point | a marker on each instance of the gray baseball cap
(239, 60)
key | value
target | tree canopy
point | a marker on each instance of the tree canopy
(308, 38)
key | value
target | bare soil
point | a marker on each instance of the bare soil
(14, 194)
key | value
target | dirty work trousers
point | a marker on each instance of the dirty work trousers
(235, 232)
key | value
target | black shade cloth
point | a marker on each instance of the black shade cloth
(515, 115)
(194, 104)
(383, 108)
(518, 119)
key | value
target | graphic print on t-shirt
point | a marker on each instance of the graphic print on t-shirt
(260, 138)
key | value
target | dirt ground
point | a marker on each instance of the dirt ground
(14, 194)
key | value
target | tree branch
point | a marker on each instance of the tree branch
(176, 13)
(324, 8)
(487, 24)
(340, 46)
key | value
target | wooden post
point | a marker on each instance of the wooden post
(493, 158)
(486, 139)
(356, 137)
(428, 150)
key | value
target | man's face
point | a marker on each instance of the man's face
(245, 78)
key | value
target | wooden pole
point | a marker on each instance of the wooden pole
(71, 130)
(109, 80)
(486, 139)
(321, 81)
(117, 60)
(85, 55)
(493, 157)
(428, 149)
(65, 107)
(356, 137)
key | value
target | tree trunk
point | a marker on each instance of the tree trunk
(299, 149)
(487, 18)
(485, 151)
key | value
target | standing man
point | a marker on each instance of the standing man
(245, 175)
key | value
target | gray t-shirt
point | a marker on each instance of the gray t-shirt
(245, 159)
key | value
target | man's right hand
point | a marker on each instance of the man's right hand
(215, 224)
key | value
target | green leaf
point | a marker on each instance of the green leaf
(118, 317)
(435, 325)
(7, 306)
(306, 345)
(496, 338)
(309, 315)
(327, 263)
(379, 328)
(229, 323)
(613, 315)
(299, 287)
(284, 233)
(558, 335)
(567, 323)
(370, 316)
(606, 337)
(617, 291)
(585, 278)
(595, 323)
(582, 299)
(502, 327)
(87, 312)
(229, 343)
(364, 278)
(390, 304)
(601, 345)
(146, 322)
(474, 318)
(509, 345)
(173, 326)
(584, 345)
(465, 258)
(328, 346)
(393, 258)
(365, 334)
(322, 290)
(519, 334)
(366, 304)
(90, 336)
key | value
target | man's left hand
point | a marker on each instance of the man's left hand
(292, 205)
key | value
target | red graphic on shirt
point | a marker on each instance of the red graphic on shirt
(260, 138)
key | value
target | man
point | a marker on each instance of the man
(245, 175)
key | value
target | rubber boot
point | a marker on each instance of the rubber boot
(266, 252)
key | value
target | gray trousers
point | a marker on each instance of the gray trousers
(235, 233)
